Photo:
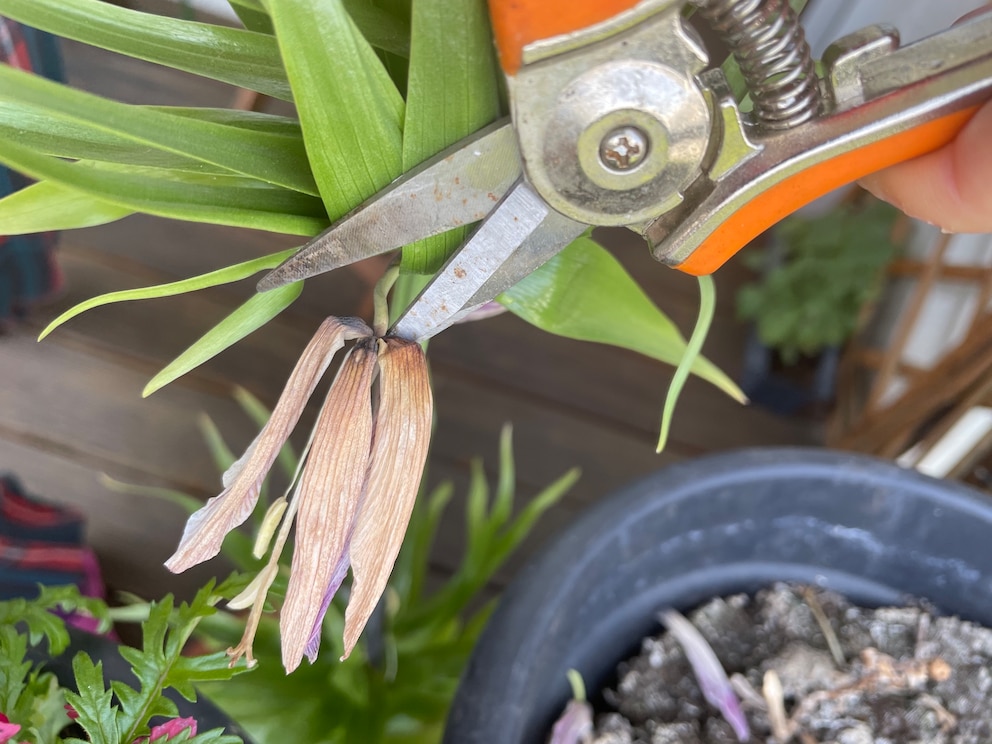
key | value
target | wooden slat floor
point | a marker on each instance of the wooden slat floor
(70, 407)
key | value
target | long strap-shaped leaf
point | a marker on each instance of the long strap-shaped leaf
(243, 58)
(251, 316)
(451, 92)
(381, 28)
(584, 293)
(34, 128)
(226, 275)
(222, 200)
(350, 110)
(51, 206)
(263, 155)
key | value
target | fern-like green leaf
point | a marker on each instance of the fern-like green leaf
(38, 614)
(159, 665)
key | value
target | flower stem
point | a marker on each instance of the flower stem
(380, 316)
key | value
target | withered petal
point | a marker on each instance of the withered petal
(205, 530)
(316, 632)
(401, 437)
(329, 493)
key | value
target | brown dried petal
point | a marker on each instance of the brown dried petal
(399, 449)
(329, 493)
(206, 529)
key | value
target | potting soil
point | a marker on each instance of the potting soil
(894, 676)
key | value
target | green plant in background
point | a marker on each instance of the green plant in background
(818, 275)
(395, 688)
(397, 685)
(37, 709)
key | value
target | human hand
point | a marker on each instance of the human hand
(950, 187)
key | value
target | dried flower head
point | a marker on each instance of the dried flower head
(354, 496)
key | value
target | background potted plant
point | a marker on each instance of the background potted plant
(817, 277)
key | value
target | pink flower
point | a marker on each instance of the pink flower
(169, 730)
(354, 497)
(8, 730)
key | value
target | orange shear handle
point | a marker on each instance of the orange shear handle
(517, 23)
(770, 206)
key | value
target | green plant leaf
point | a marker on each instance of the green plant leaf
(252, 15)
(39, 616)
(266, 156)
(184, 501)
(52, 206)
(349, 108)
(251, 316)
(157, 666)
(381, 28)
(94, 702)
(413, 563)
(707, 306)
(34, 128)
(584, 293)
(222, 200)
(242, 58)
(221, 454)
(451, 92)
(212, 279)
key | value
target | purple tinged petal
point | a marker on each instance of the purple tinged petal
(329, 493)
(483, 312)
(313, 642)
(712, 678)
(400, 441)
(575, 724)
(205, 530)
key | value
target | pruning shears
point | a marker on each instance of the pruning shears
(618, 118)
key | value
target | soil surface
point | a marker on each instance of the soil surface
(894, 676)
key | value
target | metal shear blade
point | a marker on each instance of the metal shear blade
(521, 234)
(459, 186)
(478, 178)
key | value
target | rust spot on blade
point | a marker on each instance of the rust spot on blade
(459, 272)
(493, 197)
(458, 180)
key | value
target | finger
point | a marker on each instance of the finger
(950, 187)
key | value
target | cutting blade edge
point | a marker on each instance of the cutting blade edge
(520, 235)
(459, 186)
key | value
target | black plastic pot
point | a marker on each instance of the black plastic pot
(717, 525)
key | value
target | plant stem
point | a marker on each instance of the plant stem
(380, 305)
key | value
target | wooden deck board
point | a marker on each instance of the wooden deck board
(70, 407)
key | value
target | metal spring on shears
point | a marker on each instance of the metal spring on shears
(770, 46)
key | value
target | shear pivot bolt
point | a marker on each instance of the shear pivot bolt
(623, 148)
